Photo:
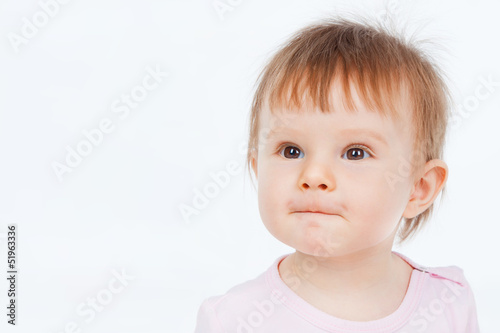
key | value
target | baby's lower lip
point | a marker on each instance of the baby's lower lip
(315, 213)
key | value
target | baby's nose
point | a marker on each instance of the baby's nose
(317, 176)
(320, 186)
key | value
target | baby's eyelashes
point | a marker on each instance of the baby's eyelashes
(354, 152)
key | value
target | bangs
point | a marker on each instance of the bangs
(316, 61)
(328, 89)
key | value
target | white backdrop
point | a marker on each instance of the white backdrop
(115, 114)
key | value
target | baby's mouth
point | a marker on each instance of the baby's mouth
(315, 212)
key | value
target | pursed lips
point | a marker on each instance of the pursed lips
(315, 212)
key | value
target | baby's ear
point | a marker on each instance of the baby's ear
(254, 161)
(427, 188)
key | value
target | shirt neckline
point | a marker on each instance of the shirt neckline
(330, 323)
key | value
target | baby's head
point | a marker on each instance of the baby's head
(336, 88)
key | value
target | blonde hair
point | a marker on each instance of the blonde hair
(379, 64)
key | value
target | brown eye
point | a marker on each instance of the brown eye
(291, 152)
(356, 153)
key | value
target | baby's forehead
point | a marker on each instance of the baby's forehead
(282, 119)
(336, 124)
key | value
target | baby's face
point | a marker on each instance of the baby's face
(341, 164)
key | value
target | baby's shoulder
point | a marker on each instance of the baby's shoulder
(444, 292)
(451, 273)
(447, 283)
(223, 310)
(239, 294)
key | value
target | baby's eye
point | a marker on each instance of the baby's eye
(291, 152)
(356, 152)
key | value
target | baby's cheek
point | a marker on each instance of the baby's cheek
(395, 176)
(267, 203)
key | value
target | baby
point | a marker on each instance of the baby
(347, 131)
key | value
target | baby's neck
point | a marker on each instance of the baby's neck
(359, 287)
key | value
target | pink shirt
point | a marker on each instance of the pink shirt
(438, 299)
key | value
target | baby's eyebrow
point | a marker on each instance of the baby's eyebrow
(281, 130)
(355, 131)
(376, 135)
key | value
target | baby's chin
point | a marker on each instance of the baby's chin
(317, 244)
(322, 237)
(324, 240)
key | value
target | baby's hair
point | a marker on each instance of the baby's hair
(380, 64)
